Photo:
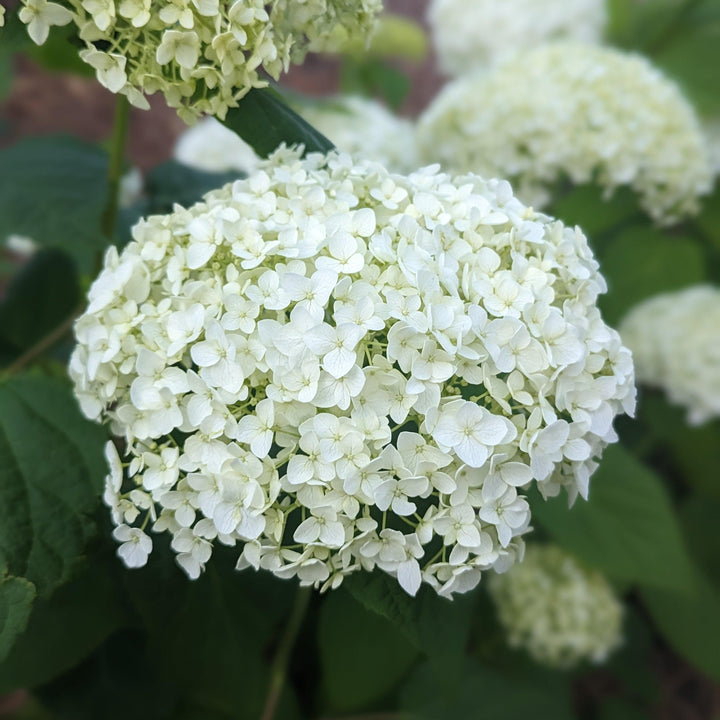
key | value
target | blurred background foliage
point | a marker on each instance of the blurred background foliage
(88, 639)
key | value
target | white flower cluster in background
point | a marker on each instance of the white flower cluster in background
(560, 612)
(202, 55)
(355, 125)
(212, 147)
(573, 112)
(712, 136)
(473, 34)
(339, 369)
(675, 340)
(366, 128)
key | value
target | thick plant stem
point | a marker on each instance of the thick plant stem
(117, 157)
(279, 666)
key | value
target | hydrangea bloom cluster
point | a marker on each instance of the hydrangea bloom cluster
(356, 125)
(339, 369)
(472, 35)
(573, 112)
(203, 55)
(560, 612)
(675, 340)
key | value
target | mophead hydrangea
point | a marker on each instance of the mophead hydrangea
(675, 341)
(334, 368)
(202, 55)
(474, 35)
(570, 113)
(561, 612)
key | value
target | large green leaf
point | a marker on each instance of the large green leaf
(54, 190)
(692, 451)
(16, 600)
(212, 638)
(699, 516)
(597, 215)
(381, 594)
(65, 628)
(363, 655)
(264, 122)
(480, 692)
(40, 297)
(690, 623)
(439, 627)
(689, 51)
(627, 528)
(642, 261)
(51, 471)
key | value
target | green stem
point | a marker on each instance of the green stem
(41, 346)
(279, 666)
(115, 169)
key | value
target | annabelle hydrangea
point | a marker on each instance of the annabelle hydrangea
(359, 126)
(675, 340)
(203, 55)
(573, 112)
(334, 369)
(477, 34)
(559, 611)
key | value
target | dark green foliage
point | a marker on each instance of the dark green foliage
(264, 122)
(53, 190)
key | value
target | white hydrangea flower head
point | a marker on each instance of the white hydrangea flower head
(337, 368)
(364, 127)
(712, 135)
(573, 112)
(358, 126)
(202, 55)
(477, 34)
(675, 340)
(212, 147)
(560, 612)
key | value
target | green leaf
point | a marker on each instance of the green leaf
(692, 451)
(485, 693)
(362, 654)
(689, 51)
(698, 516)
(374, 77)
(381, 594)
(51, 471)
(40, 297)
(627, 528)
(53, 190)
(641, 262)
(598, 216)
(16, 600)
(690, 623)
(211, 638)
(264, 122)
(437, 626)
(118, 681)
(65, 628)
